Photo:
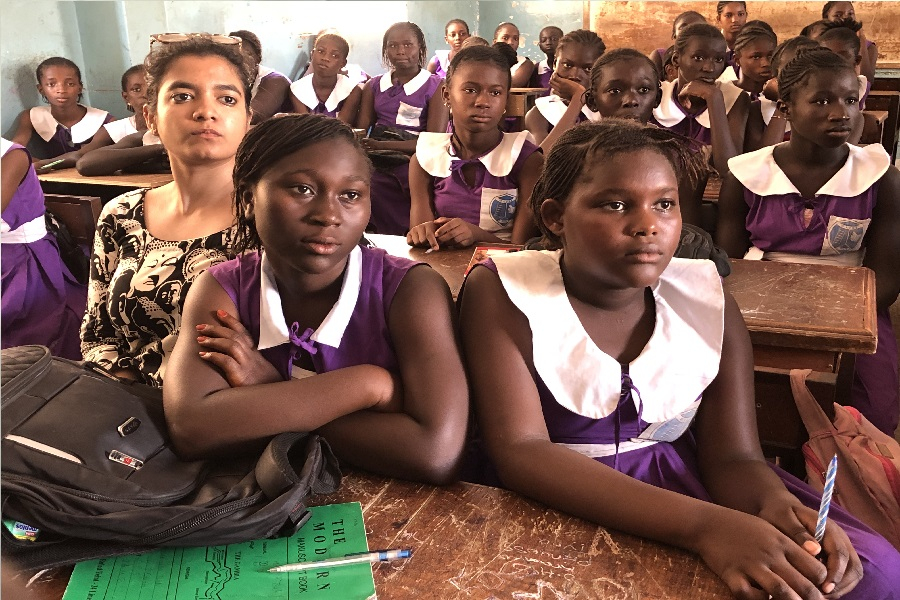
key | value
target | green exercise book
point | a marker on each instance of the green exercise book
(239, 571)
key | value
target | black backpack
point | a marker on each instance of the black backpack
(86, 460)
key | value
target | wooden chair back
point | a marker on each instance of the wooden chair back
(78, 213)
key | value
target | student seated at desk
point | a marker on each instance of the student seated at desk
(843, 41)
(66, 124)
(658, 56)
(842, 12)
(548, 41)
(42, 302)
(471, 185)
(590, 363)
(817, 198)
(152, 244)
(306, 330)
(271, 90)
(522, 69)
(326, 91)
(456, 32)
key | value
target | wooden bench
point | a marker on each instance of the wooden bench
(78, 213)
(888, 101)
(873, 126)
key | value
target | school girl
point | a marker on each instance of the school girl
(456, 31)
(843, 42)
(730, 17)
(575, 56)
(843, 12)
(271, 90)
(152, 244)
(693, 105)
(818, 199)
(754, 48)
(548, 40)
(686, 18)
(469, 186)
(42, 302)
(615, 383)
(326, 91)
(65, 124)
(405, 99)
(521, 71)
(308, 331)
(134, 93)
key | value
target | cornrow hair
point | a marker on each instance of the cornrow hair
(685, 14)
(584, 37)
(751, 33)
(842, 35)
(720, 6)
(266, 144)
(807, 62)
(480, 54)
(420, 38)
(759, 23)
(505, 24)
(583, 144)
(341, 42)
(701, 30)
(458, 22)
(790, 46)
(809, 30)
(56, 61)
(614, 56)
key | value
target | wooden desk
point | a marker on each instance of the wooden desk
(520, 101)
(472, 541)
(68, 181)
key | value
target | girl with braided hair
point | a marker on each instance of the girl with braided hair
(590, 363)
(842, 12)
(818, 199)
(470, 185)
(308, 331)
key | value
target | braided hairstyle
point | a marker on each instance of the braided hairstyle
(589, 142)
(837, 31)
(480, 54)
(613, 56)
(58, 61)
(341, 43)
(790, 48)
(814, 29)
(720, 6)
(795, 73)
(420, 38)
(688, 13)
(752, 32)
(584, 37)
(701, 30)
(266, 144)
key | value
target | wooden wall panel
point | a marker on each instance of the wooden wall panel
(648, 25)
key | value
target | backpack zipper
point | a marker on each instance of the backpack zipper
(210, 514)
(160, 501)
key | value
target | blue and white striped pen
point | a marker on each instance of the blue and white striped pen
(826, 499)
(350, 559)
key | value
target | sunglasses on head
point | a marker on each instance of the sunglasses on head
(174, 38)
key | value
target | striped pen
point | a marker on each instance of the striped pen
(826, 499)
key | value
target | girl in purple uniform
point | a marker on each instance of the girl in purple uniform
(467, 186)
(65, 124)
(398, 106)
(326, 91)
(523, 68)
(730, 17)
(42, 301)
(658, 56)
(548, 41)
(693, 105)
(590, 364)
(306, 330)
(819, 199)
(456, 31)
(843, 12)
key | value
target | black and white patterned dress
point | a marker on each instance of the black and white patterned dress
(138, 287)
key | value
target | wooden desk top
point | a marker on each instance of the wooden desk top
(816, 307)
(528, 90)
(129, 180)
(713, 187)
(471, 541)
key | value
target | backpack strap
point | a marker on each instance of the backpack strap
(814, 418)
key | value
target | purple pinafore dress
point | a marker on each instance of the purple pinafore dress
(304, 92)
(57, 139)
(355, 331)
(401, 107)
(541, 77)
(553, 107)
(636, 418)
(671, 115)
(491, 202)
(829, 228)
(42, 303)
(442, 63)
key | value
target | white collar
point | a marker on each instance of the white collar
(731, 92)
(261, 73)
(45, 125)
(543, 67)
(767, 108)
(150, 139)
(519, 61)
(728, 74)
(305, 93)
(433, 153)
(669, 114)
(689, 310)
(759, 173)
(274, 330)
(410, 87)
(5, 146)
(553, 108)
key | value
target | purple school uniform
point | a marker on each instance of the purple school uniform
(355, 332)
(671, 115)
(42, 303)
(839, 216)
(267, 73)
(541, 77)
(56, 139)
(624, 416)
(442, 63)
(491, 202)
(303, 90)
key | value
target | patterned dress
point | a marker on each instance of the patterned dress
(138, 287)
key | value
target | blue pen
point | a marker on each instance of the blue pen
(826, 499)
(369, 131)
(350, 559)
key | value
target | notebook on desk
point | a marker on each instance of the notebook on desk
(239, 571)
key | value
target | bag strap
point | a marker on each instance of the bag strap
(276, 472)
(814, 418)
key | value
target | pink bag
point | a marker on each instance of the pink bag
(868, 475)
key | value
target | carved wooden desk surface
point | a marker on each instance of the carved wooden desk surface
(133, 180)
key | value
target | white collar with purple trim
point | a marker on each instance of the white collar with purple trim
(45, 125)
(553, 108)
(305, 93)
(669, 113)
(410, 87)
(433, 153)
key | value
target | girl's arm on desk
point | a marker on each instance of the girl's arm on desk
(69, 159)
(127, 152)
